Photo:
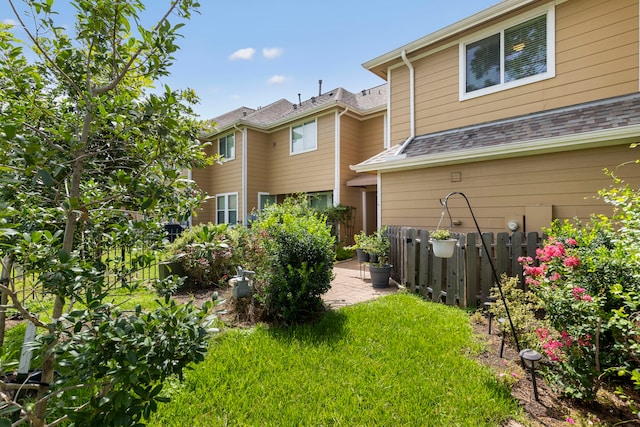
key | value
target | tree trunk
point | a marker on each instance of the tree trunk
(7, 266)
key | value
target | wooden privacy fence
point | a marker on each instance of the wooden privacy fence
(465, 279)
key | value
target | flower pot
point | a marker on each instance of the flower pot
(170, 268)
(362, 255)
(443, 248)
(380, 275)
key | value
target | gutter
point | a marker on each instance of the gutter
(474, 20)
(336, 190)
(595, 139)
(412, 103)
(287, 120)
(244, 170)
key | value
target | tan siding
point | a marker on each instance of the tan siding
(597, 57)
(399, 90)
(499, 189)
(371, 137)
(200, 176)
(258, 148)
(306, 172)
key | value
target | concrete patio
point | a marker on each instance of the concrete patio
(352, 284)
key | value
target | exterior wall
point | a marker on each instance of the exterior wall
(258, 147)
(399, 112)
(201, 176)
(596, 57)
(218, 179)
(306, 172)
(360, 139)
(509, 189)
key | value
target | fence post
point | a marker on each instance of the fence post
(423, 263)
(410, 255)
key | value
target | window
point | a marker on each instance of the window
(227, 146)
(304, 138)
(265, 199)
(517, 54)
(227, 208)
(321, 200)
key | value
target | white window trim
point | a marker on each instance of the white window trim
(549, 10)
(234, 146)
(226, 211)
(291, 152)
(260, 194)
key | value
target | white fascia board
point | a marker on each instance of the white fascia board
(481, 17)
(595, 139)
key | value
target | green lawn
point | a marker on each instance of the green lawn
(396, 361)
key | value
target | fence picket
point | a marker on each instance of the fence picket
(465, 279)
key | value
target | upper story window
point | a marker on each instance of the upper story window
(227, 146)
(520, 52)
(304, 137)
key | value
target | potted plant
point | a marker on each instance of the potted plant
(360, 245)
(443, 244)
(378, 246)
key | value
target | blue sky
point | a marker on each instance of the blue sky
(254, 52)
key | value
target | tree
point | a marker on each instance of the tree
(91, 156)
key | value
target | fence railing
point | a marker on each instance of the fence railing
(465, 279)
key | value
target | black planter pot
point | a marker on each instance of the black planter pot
(362, 255)
(380, 275)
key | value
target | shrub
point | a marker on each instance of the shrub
(299, 247)
(522, 308)
(582, 275)
(206, 254)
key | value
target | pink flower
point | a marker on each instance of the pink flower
(535, 271)
(571, 242)
(550, 251)
(525, 260)
(571, 420)
(555, 277)
(571, 262)
(581, 294)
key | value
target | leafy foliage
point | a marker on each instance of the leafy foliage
(299, 247)
(587, 280)
(206, 253)
(91, 157)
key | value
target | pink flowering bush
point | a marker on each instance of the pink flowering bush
(580, 276)
(207, 254)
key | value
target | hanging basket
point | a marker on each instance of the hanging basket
(443, 248)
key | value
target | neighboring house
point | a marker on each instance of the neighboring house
(288, 148)
(519, 106)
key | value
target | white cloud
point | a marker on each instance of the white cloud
(243, 54)
(10, 21)
(276, 79)
(271, 52)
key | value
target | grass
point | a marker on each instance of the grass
(396, 361)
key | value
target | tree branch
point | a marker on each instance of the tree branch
(44, 52)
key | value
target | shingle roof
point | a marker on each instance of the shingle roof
(284, 110)
(593, 116)
(553, 130)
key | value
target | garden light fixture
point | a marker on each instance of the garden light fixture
(529, 358)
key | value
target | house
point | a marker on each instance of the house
(520, 107)
(289, 148)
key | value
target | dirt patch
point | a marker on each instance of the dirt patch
(550, 409)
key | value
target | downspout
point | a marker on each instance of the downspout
(244, 171)
(336, 190)
(412, 103)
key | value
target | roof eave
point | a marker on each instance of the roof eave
(293, 117)
(596, 139)
(479, 18)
